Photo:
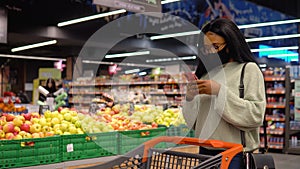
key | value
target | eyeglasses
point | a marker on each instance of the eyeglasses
(213, 48)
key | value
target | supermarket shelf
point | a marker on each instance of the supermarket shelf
(274, 78)
(85, 93)
(281, 91)
(293, 150)
(292, 131)
(275, 119)
(274, 106)
(279, 147)
(166, 93)
(275, 131)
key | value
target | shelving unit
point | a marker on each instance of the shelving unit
(161, 92)
(292, 134)
(277, 90)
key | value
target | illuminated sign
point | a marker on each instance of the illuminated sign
(284, 54)
(132, 5)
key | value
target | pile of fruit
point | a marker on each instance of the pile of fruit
(34, 125)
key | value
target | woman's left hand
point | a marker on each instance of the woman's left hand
(209, 87)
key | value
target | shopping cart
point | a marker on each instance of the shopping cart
(147, 157)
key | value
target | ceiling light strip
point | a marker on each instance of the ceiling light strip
(268, 23)
(122, 64)
(283, 55)
(273, 37)
(34, 46)
(74, 21)
(127, 54)
(174, 35)
(168, 1)
(31, 57)
(275, 49)
(171, 59)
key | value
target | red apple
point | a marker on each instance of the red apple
(27, 116)
(9, 117)
(9, 127)
(25, 127)
(59, 109)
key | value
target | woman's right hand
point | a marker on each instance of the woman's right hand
(191, 90)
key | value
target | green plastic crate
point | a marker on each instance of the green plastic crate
(29, 152)
(84, 146)
(129, 140)
(181, 130)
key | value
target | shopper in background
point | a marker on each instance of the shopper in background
(219, 111)
(50, 86)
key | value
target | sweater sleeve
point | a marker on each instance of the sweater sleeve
(190, 111)
(245, 113)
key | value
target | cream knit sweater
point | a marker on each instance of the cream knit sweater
(222, 117)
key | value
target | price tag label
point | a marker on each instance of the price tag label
(70, 148)
(43, 108)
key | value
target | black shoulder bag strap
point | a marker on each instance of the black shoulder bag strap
(241, 89)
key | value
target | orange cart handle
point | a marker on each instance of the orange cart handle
(227, 155)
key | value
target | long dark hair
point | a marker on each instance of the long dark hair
(53, 87)
(239, 49)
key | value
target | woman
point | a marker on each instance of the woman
(214, 100)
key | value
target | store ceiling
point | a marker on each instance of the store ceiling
(32, 21)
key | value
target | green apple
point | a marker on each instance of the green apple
(43, 122)
(64, 127)
(48, 114)
(68, 116)
(55, 120)
(58, 132)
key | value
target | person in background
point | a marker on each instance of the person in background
(213, 99)
(50, 86)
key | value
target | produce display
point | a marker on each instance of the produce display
(66, 121)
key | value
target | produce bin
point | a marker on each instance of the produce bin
(84, 146)
(181, 130)
(129, 140)
(29, 152)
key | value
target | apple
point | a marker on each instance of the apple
(28, 122)
(25, 127)
(27, 135)
(73, 130)
(66, 133)
(9, 136)
(22, 133)
(17, 137)
(35, 115)
(58, 132)
(17, 129)
(18, 121)
(54, 121)
(35, 120)
(59, 109)
(46, 129)
(47, 114)
(35, 135)
(79, 131)
(78, 124)
(2, 120)
(49, 134)
(43, 122)
(35, 128)
(67, 117)
(41, 134)
(9, 127)
(2, 134)
(27, 116)
(10, 117)
(64, 127)
(74, 119)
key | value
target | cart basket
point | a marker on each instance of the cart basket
(147, 157)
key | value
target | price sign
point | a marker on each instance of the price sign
(43, 108)
(93, 108)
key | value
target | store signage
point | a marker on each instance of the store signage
(46, 73)
(43, 108)
(3, 25)
(132, 5)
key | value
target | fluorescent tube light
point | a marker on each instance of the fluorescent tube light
(268, 23)
(90, 17)
(122, 64)
(128, 54)
(171, 59)
(275, 49)
(31, 57)
(132, 71)
(282, 55)
(174, 35)
(168, 1)
(34, 46)
(273, 37)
